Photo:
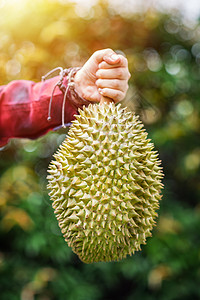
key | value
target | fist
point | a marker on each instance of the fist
(105, 73)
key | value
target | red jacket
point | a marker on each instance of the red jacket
(24, 108)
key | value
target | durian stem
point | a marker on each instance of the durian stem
(105, 100)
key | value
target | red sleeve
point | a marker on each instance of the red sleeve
(24, 108)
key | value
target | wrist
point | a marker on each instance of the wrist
(67, 84)
(78, 84)
(72, 83)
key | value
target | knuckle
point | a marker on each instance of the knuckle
(98, 82)
(108, 49)
(124, 87)
(120, 73)
(96, 53)
(104, 91)
(98, 73)
(117, 83)
(102, 65)
(116, 95)
(124, 61)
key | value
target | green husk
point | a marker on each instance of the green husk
(105, 184)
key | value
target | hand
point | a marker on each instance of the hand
(105, 73)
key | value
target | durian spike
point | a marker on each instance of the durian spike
(105, 100)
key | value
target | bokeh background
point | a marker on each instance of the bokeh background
(163, 49)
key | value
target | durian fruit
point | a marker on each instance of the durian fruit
(105, 184)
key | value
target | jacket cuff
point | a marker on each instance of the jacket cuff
(67, 87)
(68, 82)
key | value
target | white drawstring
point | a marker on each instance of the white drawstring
(62, 73)
(69, 84)
(51, 72)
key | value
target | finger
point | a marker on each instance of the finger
(113, 73)
(112, 59)
(123, 62)
(112, 83)
(115, 95)
(106, 54)
(105, 65)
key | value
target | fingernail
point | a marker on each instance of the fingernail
(114, 57)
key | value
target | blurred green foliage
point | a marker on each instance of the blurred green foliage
(164, 60)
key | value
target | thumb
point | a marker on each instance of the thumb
(108, 55)
(112, 59)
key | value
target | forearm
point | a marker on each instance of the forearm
(24, 107)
